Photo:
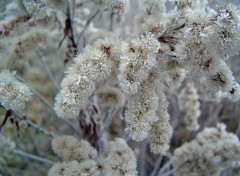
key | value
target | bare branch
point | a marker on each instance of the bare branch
(33, 125)
(46, 68)
(39, 96)
(88, 22)
(168, 173)
(157, 165)
(33, 157)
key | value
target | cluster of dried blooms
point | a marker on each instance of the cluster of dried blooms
(13, 94)
(213, 150)
(133, 67)
(176, 42)
(117, 6)
(191, 42)
(82, 159)
(22, 34)
(188, 101)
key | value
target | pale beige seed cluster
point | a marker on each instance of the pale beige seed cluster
(81, 159)
(160, 135)
(13, 94)
(110, 96)
(213, 150)
(117, 6)
(188, 102)
(89, 71)
(190, 42)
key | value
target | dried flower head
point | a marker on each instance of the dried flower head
(121, 158)
(88, 167)
(13, 93)
(188, 101)
(160, 134)
(104, 167)
(221, 79)
(111, 96)
(117, 6)
(70, 148)
(141, 114)
(83, 152)
(64, 145)
(37, 9)
(211, 152)
(159, 137)
(30, 40)
(138, 60)
(58, 169)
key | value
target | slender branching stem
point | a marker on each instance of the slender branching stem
(88, 22)
(33, 125)
(157, 165)
(33, 157)
(48, 71)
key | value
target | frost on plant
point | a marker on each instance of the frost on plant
(82, 159)
(130, 83)
(213, 150)
(188, 101)
(13, 94)
(168, 53)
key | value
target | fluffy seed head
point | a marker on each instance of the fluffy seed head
(111, 96)
(117, 6)
(13, 93)
(121, 158)
(63, 146)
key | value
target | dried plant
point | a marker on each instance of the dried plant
(136, 87)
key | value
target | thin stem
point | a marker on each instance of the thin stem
(48, 105)
(141, 158)
(73, 8)
(46, 68)
(33, 125)
(157, 165)
(166, 165)
(33, 157)
(7, 115)
(71, 18)
(111, 21)
(108, 120)
(39, 96)
(73, 127)
(43, 100)
(214, 114)
(168, 173)
(88, 22)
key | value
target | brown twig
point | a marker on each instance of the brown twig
(70, 17)
(6, 116)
